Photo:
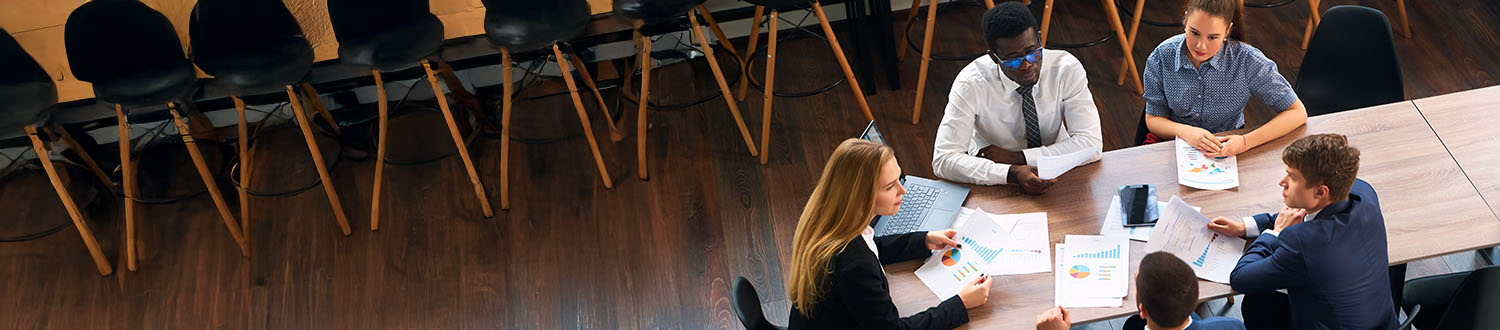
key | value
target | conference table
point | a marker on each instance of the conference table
(1466, 122)
(1430, 207)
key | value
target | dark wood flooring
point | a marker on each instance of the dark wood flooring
(570, 254)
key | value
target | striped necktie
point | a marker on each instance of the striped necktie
(1028, 110)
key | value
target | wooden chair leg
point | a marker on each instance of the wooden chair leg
(1113, 15)
(588, 80)
(244, 166)
(458, 141)
(1405, 24)
(208, 180)
(1135, 25)
(506, 82)
(317, 157)
(88, 160)
(583, 117)
(1312, 22)
(916, 108)
(713, 65)
(765, 112)
(641, 105)
(911, 15)
(67, 199)
(990, 4)
(1046, 20)
(708, 17)
(316, 104)
(127, 187)
(380, 102)
(760, 12)
(838, 51)
(470, 103)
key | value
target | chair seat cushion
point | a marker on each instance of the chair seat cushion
(654, 11)
(396, 48)
(535, 26)
(148, 87)
(24, 104)
(271, 67)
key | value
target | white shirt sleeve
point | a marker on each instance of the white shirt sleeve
(1080, 115)
(1251, 228)
(950, 156)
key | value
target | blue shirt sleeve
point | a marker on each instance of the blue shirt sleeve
(1156, 96)
(1266, 83)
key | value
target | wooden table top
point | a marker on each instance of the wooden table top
(1430, 208)
(1466, 123)
(38, 26)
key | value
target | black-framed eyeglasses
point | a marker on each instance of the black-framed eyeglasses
(1033, 57)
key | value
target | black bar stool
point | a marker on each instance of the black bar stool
(132, 56)
(29, 96)
(654, 16)
(389, 35)
(524, 26)
(776, 6)
(256, 46)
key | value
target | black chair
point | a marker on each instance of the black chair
(132, 56)
(651, 17)
(747, 306)
(252, 46)
(388, 35)
(1141, 130)
(1351, 63)
(29, 95)
(1473, 299)
(776, 7)
(518, 26)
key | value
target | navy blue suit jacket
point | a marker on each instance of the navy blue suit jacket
(1334, 267)
(1215, 323)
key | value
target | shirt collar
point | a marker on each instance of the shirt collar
(1007, 85)
(1184, 62)
(1184, 326)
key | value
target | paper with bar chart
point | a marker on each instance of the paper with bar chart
(947, 270)
(1096, 266)
(1203, 172)
(1114, 222)
(1027, 252)
(1183, 232)
(1068, 297)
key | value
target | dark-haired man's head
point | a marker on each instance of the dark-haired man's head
(1011, 35)
(1166, 290)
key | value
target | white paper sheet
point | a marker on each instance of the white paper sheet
(1184, 232)
(1051, 167)
(1114, 222)
(1067, 297)
(1096, 266)
(1027, 252)
(948, 269)
(1203, 172)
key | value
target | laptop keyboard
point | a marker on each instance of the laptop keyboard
(914, 206)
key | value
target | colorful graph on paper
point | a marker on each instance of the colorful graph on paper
(1108, 254)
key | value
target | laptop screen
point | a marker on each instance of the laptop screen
(873, 134)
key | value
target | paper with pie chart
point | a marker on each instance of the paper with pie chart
(1095, 266)
(1067, 296)
(947, 270)
(1203, 172)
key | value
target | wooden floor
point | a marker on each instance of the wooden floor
(570, 254)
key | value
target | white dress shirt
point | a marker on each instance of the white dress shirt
(984, 109)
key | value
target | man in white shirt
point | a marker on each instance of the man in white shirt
(1010, 108)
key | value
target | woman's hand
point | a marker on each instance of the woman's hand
(976, 292)
(1200, 139)
(939, 239)
(1232, 145)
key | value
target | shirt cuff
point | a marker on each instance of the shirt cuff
(1271, 232)
(1002, 171)
(1251, 229)
(1032, 155)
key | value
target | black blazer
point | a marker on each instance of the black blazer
(857, 295)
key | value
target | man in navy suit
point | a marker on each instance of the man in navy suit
(1326, 249)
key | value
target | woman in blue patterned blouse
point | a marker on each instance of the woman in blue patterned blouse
(1199, 82)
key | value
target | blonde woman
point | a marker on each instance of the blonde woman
(836, 280)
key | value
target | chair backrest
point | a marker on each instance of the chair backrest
(355, 20)
(654, 11)
(1141, 130)
(747, 305)
(1350, 63)
(26, 90)
(249, 42)
(526, 25)
(112, 39)
(385, 34)
(1476, 302)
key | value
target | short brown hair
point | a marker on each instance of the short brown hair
(1232, 11)
(1166, 288)
(1325, 159)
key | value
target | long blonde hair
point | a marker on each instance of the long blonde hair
(838, 211)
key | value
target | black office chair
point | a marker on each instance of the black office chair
(518, 26)
(776, 6)
(132, 56)
(651, 17)
(389, 35)
(1475, 296)
(1351, 63)
(747, 306)
(27, 97)
(256, 46)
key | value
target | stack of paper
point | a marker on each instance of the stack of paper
(947, 270)
(1027, 252)
(1093, 271)
(1114, 222)
(1051, 167)
(1184, 233)
(1203, 172)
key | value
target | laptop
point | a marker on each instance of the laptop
(928, 205)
